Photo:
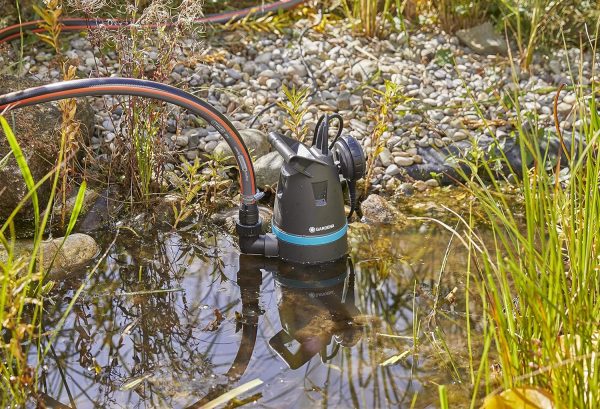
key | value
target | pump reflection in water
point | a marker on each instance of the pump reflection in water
(316, 315)
(313, 311)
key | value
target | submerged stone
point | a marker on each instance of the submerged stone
(376, 209)
(59, 254)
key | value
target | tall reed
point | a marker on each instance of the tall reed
(539, 277)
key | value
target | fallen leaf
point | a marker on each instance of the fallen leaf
(520, 398)
(214, 324)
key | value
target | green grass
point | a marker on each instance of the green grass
(539, 276)
(22, 288)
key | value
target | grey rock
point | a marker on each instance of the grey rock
(256, 141)
(386, 157)
(432, 183)
(210, 146)
(406, 189)
(564, 108)
(108, 125)
(267, 169)
(181, 141)
(363, 70)
(392, 170)
(570, 99)
(59, 254)
(343, 101)
(376, 209)
(263, 58)
(356, 101)
(235, 74)
(483, 39)
(273, 83)
(403, 161)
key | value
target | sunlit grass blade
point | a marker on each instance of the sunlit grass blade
(23, 166)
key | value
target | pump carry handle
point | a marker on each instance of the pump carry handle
(289, 148)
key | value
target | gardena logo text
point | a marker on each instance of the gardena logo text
(312, 229)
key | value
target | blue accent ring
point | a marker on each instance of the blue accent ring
(310, 240)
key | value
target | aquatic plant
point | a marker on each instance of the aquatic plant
(539, 278)
(144, 121)
(23, 288)
(386, 100)
(70, 126)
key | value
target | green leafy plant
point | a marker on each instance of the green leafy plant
(139, 150)
(386, 101)
(295, 106)
(188, 186)
(216, 180)
(458, 14)
(50, 23)
(367, 16)
(22, 287)
(536, 23)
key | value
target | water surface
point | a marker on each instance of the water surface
(177, 319)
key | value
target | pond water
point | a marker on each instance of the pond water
(178, 319)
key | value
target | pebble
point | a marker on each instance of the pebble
(564, 108)
(403, 161)
(392, 170)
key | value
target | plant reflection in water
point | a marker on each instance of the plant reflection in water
(171, 323)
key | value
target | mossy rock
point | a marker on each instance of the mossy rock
(37, 129)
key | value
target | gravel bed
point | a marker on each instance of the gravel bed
(439, 81)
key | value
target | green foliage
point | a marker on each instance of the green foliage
(539, 278)
(143, 123)
(188, 186)
(458, 14)
(51, 25)
(386, 100)
(295, 106)
(217, 180)
(22, 287)
(538, 22)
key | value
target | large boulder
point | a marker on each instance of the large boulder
(58, 254)
(267, 169)
(37, 129)
(255, 140)
(376, 209)
(483, 39)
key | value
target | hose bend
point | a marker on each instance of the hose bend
(83, 24)
(149, 89)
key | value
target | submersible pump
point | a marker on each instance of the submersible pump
(309, 220)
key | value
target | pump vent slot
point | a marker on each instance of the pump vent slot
(320, 193)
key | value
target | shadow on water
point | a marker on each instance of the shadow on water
(176, 320)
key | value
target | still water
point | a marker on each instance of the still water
(178, 319)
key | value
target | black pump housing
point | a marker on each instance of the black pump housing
(309, 219)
